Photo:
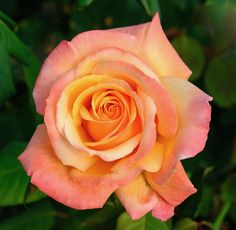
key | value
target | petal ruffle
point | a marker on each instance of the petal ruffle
(158, 50)
(144, 194)
(137, 197)
(67, 55)
(146, 40)
(171, 193)
(66, 184)
(59, 61)
(193, 111)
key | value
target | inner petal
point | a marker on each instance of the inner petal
(115, 102)
(129, 126)
(102, 133)
(113, 107)
(108, 105)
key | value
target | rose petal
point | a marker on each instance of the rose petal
(125, 115)
(110, 154)
(167, 119)
(128, 116)
(193, 112)
(78, 159)
(148, 137)
(132, 128)
(60, 182)
(137, 198)
(173, 192)
(159, 52)
(176, 190)
(114, 54)
(59, 61)
(153, 160)
(143, 194)
(68, 54)
(71, 132)
(65, 153)
(66, 90)
(162, 210)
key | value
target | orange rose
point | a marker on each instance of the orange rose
(119, 116)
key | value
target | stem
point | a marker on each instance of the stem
(221, 216)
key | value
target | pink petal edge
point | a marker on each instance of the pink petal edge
(194, 114)
(159, 52)
(63, 183)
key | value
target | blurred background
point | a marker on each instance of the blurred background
(203, 33)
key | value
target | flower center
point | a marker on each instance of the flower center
(107, 105)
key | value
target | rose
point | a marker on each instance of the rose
(119, 116)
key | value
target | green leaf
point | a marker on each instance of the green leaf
(76, 219)
(85, 2)
(13, 179)
(222, 16)
(9, 122)
(7, 19)
(31, 72)
(151, 6)
(38, 217)
(148, 222)
(34, 194)
(6, 83)
(14, 182)
(192, 53)
(15, 46)
(185, 4)
(220, 82)
(102, 215)
(186, 224)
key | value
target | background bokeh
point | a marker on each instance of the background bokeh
(204, 34)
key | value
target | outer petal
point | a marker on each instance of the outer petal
(193, 112)
(65, 152)
(173, 192)
(58, 181)
(159, 52)
(163, 210)
(144, 194)
(60, 60)
(68, 54)
(66, 184)
(137, 198)
(114, 54)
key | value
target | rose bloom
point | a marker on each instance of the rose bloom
(119, 116)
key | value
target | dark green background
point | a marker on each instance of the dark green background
(204, 34)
